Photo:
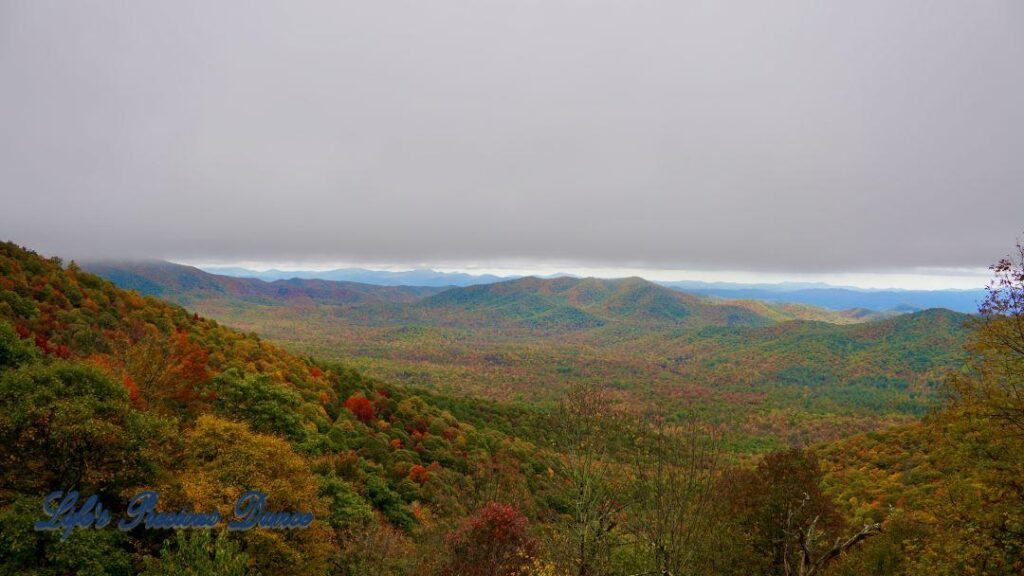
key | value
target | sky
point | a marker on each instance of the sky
(875, 142)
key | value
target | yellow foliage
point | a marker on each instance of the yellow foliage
(223, 459)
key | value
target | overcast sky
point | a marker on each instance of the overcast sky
(771, 137)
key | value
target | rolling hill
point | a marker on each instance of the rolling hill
(582, 303)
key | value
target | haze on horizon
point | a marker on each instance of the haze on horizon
(914, 279)
(785, 140)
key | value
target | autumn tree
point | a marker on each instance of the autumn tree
(993, 385)
(360, 407)
(812, 553)
(195, 552)
(773, 502)
(494, 541)
(67, 426)
(376, 549)
(223, 459)
(267, 407)
(979, 516)
(583, 428)
(674, 471)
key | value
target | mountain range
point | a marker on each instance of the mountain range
(417, 277)
(836, 298)
(812, 293)
(559, 302)
(185, 284)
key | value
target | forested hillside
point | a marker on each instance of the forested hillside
(107, 392)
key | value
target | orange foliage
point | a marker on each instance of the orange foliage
(133, 392)
(360, 407)
(418, 474)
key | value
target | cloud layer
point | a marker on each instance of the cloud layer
(794, 136)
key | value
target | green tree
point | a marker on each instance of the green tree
(674, 470)
(24, 550)
(266, 406)
(13, 350)
(67, 426)
(583, 429)
(196, 553)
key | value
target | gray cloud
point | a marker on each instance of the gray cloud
(803, 136)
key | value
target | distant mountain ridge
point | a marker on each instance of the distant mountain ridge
(810, 293)
(833, 298)
(418, 277)
(186, 284)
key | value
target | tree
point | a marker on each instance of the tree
(360, 407)
(267, 407)
(67, 426)
(196, 553)
(223, 459)
(674, 470)
(979, 508)
(347, 508)
(810, 561)
(13, 350)
(772, 503)
(582, 428)
(993, 384)
(24, 550)
(492, 542)
(376, 549)
(419, 473)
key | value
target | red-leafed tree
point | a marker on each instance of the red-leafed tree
(43, 344)
(186, 371)
(419, 474)
(23, 331)
(494, 541)
(360, 407)
(133, 392)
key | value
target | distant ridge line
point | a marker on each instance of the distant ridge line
(810, 293)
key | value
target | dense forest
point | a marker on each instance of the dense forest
(768, 375)
(108, 392)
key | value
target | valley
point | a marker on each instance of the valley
(768, 375)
